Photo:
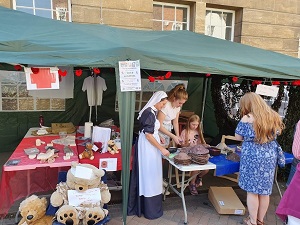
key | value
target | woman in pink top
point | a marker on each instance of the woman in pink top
(296, 152)
(192, 135)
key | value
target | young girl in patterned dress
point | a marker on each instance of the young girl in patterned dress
(192, 135)
(258, 129)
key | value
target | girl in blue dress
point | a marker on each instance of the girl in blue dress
(258, 129)
(145, 191)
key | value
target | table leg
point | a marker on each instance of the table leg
(276, 182)
(169, 180)
(183, 186)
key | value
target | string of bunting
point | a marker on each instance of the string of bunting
(63, 73)
(152, 78)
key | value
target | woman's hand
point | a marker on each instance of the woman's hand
(165, 152)
(177, 140)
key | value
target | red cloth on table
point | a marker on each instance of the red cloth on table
(30, 176)
(99, 156)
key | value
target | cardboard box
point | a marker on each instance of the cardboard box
(225, 201)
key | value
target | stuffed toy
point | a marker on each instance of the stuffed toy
(112, 147)
(33, 210)
(88, 152)
(90, 213)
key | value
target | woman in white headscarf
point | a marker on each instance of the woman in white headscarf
(145, 192)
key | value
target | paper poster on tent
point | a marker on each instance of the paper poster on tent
(267, 90)
(130, 75)
(42, 78)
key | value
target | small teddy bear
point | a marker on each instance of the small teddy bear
(88, 152)
(33, 210)
(112, 147)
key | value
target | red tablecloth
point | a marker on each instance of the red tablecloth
(30, 176)
(98, 155)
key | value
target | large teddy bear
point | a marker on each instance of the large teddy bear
(85, 213)
(33, 210)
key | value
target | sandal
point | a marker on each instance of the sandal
(193, 189)
(259, 222)
(247, 221)
(198, 181)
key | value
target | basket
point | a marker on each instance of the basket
(60, 127)
(182, 159)
(200, 159)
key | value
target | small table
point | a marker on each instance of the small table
(184, 182)
(30, 175)
(225, 167)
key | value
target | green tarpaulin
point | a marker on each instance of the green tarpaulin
(27, 39)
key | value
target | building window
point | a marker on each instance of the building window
(220, 23)
(15, 96)
(52, 9)
(168, 16)
(148, 88)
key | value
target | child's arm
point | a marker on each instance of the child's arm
(184, 143)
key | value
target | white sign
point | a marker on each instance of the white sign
(266, 90)
(130, 75)
(108, 164)
(83, 172)
(88, 197)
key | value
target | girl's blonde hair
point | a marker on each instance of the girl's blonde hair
(178, 92)
(194, 118)
(267, 123)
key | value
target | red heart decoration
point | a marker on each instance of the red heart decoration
(35, 70)
(18, 67)
(62, 73)
(78, 73)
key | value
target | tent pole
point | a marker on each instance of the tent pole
(126, 101)
(204, 101)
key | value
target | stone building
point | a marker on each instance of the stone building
(270, 24)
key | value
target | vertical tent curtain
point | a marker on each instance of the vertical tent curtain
(126, 101)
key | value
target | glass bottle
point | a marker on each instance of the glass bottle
(41, 120)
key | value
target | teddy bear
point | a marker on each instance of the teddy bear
(33, 211)
(88, 152)
(88, 213)
(112, 147)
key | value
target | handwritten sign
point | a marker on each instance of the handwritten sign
(266, 90)
(130, 76)
(89, 197)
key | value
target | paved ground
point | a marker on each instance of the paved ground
(200, 210)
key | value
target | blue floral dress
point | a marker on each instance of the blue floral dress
(258, 162)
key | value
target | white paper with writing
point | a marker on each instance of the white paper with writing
(267, 90)
(90, 196)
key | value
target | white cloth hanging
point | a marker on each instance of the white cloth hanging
(92, 95)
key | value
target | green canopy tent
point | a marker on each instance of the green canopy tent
(28, 39)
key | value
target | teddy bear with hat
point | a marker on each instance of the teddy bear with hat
(82, 180)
